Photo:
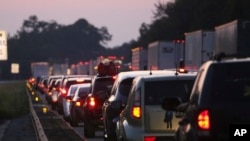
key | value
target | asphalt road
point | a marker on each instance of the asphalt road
(79, 129)
(20, 129)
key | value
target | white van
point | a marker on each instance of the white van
(143, 118)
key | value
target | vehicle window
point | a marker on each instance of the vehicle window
(101, 84)
(125, 86)
(156, 91)
(73, 90)
(83, 92)
(231, 82)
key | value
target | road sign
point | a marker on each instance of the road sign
(14, 68)
(3, 45)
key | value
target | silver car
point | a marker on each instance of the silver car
(143, 118)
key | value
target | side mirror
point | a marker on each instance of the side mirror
(170, 103)
(116, 105)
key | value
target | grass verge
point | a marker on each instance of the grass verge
(14, 101)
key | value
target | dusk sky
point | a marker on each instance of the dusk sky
(123, 18)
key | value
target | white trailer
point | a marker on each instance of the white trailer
(199, 47)
(165, 54)
(39, 69)
(139, 58)
(233, 38)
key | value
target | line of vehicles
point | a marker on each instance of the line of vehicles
(156, 105)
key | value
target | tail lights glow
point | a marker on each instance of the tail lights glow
(204, 120)
(182, 70)
(80, 80)
(49, 93)
(149, 138)
(78, 103)
(114, 77)
(92, 101)
(68, 99)
(136, 108)
(63, 91)
(136, 111)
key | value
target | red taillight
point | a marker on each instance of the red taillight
(78, 103)
(204, 120)
(136, 111)
(182, 70)
(150, 138)
(63, 91)
(92, 102)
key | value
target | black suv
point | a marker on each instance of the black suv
(218, 103)
(93, 104)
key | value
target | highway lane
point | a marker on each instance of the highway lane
(79, 129)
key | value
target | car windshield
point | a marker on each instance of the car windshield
(231, 82)
(156, 91)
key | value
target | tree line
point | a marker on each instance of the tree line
(50, 41)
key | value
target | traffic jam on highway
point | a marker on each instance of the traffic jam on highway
(195, 95)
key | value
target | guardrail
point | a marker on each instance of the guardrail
(36, 122)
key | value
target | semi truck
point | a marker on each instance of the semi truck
(233, 38)
(199, 47)
(139, 58)
(39, 69)
(165, 54)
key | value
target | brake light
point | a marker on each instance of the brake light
(92, 101)
(149, 138)
(78, 103)
(49, 93)
(80, 80)
(136, 108)
(63, 91)
(68, 99)
(182, 70)
(204, 120)
(136, 111)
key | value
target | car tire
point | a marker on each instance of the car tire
(89, 130)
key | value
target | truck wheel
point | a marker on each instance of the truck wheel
(89, 130)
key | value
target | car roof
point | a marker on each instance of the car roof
(170, 76)
(81, 85)
(130, 74)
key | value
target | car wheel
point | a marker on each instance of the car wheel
(89, 130)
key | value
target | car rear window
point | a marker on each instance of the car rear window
(231, 82)
(125, 86)
(156, 91)
(101, 84)
(71, 82)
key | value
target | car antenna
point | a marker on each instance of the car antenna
(176, 69)
(150, 70)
